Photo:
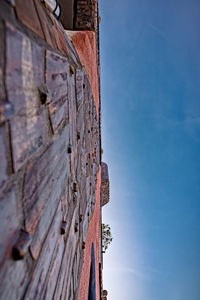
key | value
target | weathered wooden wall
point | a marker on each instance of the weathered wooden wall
(49, 156)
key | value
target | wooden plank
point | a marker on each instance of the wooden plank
(3, 155)
(36, 288)
(27, 14)
(79, 87)
(2, 64)
(76, 275)
(14, 275)
(83, 201)
(46, 23)
(66, 267)
(71, 49)
(57, 74)
(72, 122)
(45, 179)
(84, 225)
(9, 221)
(60, 38)
(87, 89)
(54, 269)
(80, 125)
(24, 70)
(14, 278)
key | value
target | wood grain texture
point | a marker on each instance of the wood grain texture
(27, 14)
(9, 221)
(65, 272)
(57, 74)
(45, 180)
(36, 288)
(24, 70)
(3, 155)
(48, 109)
(14, 274)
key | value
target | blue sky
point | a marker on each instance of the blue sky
(150, 86)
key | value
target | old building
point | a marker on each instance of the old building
(50, 151)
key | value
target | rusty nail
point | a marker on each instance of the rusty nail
(81, 218)
(71, 70)
(43, 97)
(74, 197)
(83, 245)
(63, 227)
(76, 227)
(21, 246)
(6, 110)
(74, 187)
(69, 149)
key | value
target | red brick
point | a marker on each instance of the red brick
(85, 18)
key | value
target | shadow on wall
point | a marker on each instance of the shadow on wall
(92, 282)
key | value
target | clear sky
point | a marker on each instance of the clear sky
(150, 83)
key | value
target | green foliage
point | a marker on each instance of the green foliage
(106, 236)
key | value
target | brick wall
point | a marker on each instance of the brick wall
(104, 184)
(85, 15)
(49, 156)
